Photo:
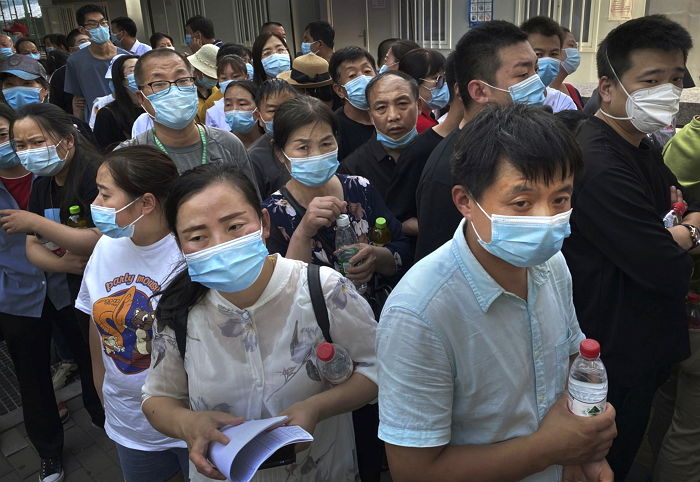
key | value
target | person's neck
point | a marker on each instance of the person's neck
(106, 50)
(558, 82)
(128, 43)
(150, 229)
(177, 137)
(451, 122)
(394, 153)
(14, 172)
(305, 194)
(511, 278)
(623, 128)
(470, 113)
(204, 93)
(247, 138)
(249, 296)
(358, 115)
(60, 178)
(325, 54)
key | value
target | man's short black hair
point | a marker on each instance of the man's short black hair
(230, 48)
(201, 24)
(347, 54)
(274, 87)
(56, 39)
(651, 32)
(544, 26)
(530, 139)
(384, 47)
(263, 27)
(153, 54)
(477, 53)
(322, 30)
(85, 9)
(397, 73)
(126, 24)
(70, 38)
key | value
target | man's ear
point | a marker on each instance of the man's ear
(463, 201)
(478, 91)
(339, 91)
(605, 86)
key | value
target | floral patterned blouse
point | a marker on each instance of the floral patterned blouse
(256, 362)
(365, 205)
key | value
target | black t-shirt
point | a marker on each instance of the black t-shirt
(108, 131)
(270, 174)
(630, 277)
(437, 215)
(351, 134)
(57, 94)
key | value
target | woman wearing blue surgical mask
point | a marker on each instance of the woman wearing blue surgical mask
(270, 57)
(114, 121)
(133, 184)
(570, 61)
(427, 67)
(229, 68)
(234, 305)
(239, 109)
(27, 46)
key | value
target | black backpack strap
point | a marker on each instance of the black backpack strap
(318, 301)
(293, 202)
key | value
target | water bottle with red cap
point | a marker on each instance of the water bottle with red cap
(333, 362)
(588, 381)
(675, 215)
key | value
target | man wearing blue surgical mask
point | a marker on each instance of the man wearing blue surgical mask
(546, 38)
(318, 38)
(168, 93)
(7, 48)
(570, 61)
(351, 69)
(86, 68)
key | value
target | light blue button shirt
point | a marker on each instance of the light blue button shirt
(462, 361)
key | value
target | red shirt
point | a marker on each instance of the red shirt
(424, 122)
(19, 188)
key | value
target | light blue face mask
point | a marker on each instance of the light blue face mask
(105, 220)
(42, 161)
(99, 35)
(306, 47)
(231, 266)
(251, 71)
(115, 40)
(34, 56)
(399, 143)
(548, 69)
(132, 83)
(526, 241)
(355, 90)
(206, 82)
(383, 68)
(276, 64)
(573, 60)
(315, 170)
(188, 39)
(17, 97)
(440, 97)
(8, 156)
(529, 91)
(111, 86)
(6, 52)
(50, 49)
(224, 85)
(240, 121)
(83, 45)
(269, 128)
(175, 108)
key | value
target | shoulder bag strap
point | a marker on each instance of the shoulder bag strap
(318, 301)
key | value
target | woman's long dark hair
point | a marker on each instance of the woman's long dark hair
(57, 125)
(258, 46)
(182, 293)
(122, 107)
(138, 170)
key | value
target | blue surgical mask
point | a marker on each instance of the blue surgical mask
(440, 97)
(34, 56)
(269, 128)
(111, 86)
(188, 39)
(573, 60)
(50, 49)
(529, 91)
(306, 47)
(276, 64)
(113, 37)
(17, 97)
(383, 68)
(231, 266)
(99, 35)
(355, 89)
(399, 143)
(132, 83)
(526, 241)
(8, 156)
(206, 82)
(223, 85)
(251, 71)
(42, 161)
(240, 121)
(315, 170)
(175, 108)
(83, 45)
(6, 52)
(105, 220)
(548, 69)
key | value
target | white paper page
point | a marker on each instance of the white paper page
(238, 435)
(246, 463)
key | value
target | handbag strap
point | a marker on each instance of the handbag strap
(318, 301)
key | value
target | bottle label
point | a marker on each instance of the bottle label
(583, 409)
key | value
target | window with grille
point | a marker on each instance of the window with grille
(573, 14)
(248, 15)
(426, 22)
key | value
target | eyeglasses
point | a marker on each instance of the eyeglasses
(161, 85)
(439, 82)
(91, 25)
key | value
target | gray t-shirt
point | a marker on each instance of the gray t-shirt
(222, 146)
(85, 77)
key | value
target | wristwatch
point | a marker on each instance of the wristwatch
(694, 235)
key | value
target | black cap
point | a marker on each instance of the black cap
(23, 66)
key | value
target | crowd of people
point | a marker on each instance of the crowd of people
(159, 212)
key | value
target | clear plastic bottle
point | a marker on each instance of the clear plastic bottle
(51, 246)
(76, 219)
(333, 362)
(380, 234)
(588, 381)
(675, 215)
(346, 247)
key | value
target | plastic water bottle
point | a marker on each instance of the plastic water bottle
(693, 310)
(346, 247)
(76, 219)
(333, 362)
(588, 381)
(675, 215)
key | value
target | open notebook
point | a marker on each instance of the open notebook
(251, 443)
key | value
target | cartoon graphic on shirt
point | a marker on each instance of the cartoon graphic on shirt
(125, 321)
